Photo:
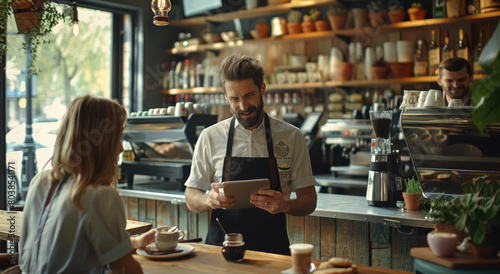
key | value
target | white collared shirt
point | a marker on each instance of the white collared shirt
(290, 150)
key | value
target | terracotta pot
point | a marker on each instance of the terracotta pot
(377, 18)
(380, 72)
(412, 201)
(455, 8)
(360, 17)
(321, 25)
(417, 13)
(293, 28)
(308, 26)
(337, 21)
(262, 30)
(400, 70)
(346, 71)
(30, 16)
(483, 251)
(397, 16)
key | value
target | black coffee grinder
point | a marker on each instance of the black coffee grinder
(385, 184)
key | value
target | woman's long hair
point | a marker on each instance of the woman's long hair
(88, 144)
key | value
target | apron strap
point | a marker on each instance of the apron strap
(269, 137)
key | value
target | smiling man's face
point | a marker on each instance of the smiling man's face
(455, 83)
(246, 101)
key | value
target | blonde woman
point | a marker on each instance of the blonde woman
(74, 219)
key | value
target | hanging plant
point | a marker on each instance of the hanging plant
(35, 18)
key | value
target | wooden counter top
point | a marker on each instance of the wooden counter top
(11, 222)
(208, 259)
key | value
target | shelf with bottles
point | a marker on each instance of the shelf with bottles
(245, 14)
(352, 32)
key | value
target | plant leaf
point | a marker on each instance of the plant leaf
(478, 235)
(468, 188)
(487, 110)
(490, 51)
(461, 220)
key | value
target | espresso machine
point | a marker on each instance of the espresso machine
(385, 185)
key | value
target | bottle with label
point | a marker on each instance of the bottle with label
(171, 76)
(462, 46)
(433, 54)
(185, 75)
(447, 51)
(477, 52)
(420, 60)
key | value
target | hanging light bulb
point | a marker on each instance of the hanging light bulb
(161, 9)
(74, 16)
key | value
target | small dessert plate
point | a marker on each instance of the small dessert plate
(184, 250)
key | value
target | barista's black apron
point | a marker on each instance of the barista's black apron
(262, 231)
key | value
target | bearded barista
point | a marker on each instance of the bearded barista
(455, 76)
(250, 145)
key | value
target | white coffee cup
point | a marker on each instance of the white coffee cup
(167, 241)
(390, 53)
(280, 78)
(180, 109)
(171, 110)
(405, 51)
(456, 103)
(302, 77)
(410, 99)
(421, 98)
(301, 257)
(189, 107)
(311, 66)
(434, 98)
(291, 77)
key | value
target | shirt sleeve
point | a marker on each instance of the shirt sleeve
(201, 169)
(106, 224)
(303, 171)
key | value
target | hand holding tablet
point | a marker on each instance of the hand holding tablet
(241, 190)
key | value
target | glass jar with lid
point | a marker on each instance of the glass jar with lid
(233, 248)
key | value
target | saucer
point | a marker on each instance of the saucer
(185, 250)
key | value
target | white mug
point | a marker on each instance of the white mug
(421, 98)
(280, 78)
(302, 77)
(456, 103)
(167, 241)
(291, 77)
(410, 99)
(434, 98)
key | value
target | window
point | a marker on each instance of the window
(98, 61)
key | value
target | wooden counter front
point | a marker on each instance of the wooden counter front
(209, 259)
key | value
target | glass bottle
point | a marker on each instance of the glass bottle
(433, 54)
(477, 52)
(185, 75)
(462, 46)
(447, 51)
(420, 60)
(233, 247)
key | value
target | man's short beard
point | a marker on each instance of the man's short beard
(254, 121)
(462, 95)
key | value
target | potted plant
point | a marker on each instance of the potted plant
(337, 15)
(413, 194)
(35, 18)
(262, 28)
(485, 92)
(307, 23)
(417, 11)
(380, 69)
(319, 23)
(444, 214)
(293, 22)
(377, 12)
(396, 12)
(478, 213)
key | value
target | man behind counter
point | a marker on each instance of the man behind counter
(251, 145)
(455, 76)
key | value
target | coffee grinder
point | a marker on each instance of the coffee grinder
(378, 189)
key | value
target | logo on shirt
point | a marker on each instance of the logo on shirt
(281, 149)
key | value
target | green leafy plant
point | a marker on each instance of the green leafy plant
(478, 211)
(413, 185)
(315, 14)
(416, 4)
(442, 211)
(294, 16)
(486, 92)
(377, 6)
(52, 14)
(337, 8)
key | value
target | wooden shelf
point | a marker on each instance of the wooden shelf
(244, 14)
(325, 84)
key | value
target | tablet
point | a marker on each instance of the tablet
(241, 190)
